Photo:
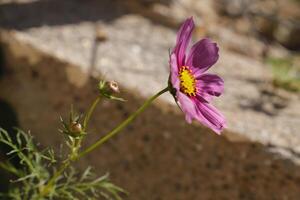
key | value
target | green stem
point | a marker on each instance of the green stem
(50, 183)
(122, 125)
(45, 191)
(89, 113)
(68, 161)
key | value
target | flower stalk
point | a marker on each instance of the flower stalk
(75, 156)
(89, 113)
(122, 125)
(75, 146)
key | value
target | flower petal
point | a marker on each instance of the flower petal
(174, 72)
(203, 55)
(188, 106)
(209, 85)
(183, 38)
(210, 117)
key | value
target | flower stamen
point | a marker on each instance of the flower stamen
(187, 81)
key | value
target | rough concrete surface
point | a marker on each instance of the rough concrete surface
(48, 62)
(136, 55)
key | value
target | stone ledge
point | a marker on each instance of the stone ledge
(135, 53)
(127, 56)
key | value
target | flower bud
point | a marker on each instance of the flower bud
(75, 127)
(108, 88)
(113, 86)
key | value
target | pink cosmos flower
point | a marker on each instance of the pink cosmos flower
(192, 87)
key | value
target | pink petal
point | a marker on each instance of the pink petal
(209, 85)
(202, 56)
(183, 38)
(210, 117)
(174, 72)
(188, 106)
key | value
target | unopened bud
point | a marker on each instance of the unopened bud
(75, 127)
(113, 85)
(108, 88)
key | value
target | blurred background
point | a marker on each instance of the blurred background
(53, 52)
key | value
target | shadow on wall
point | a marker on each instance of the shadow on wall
(22, 16)
(8, 117)
(56, 12)
(8, 121)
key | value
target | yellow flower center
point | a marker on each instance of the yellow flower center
(187, 81)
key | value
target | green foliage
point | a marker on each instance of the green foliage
(86, 186)
(286, 73)
(37, 168)
(41, 176)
